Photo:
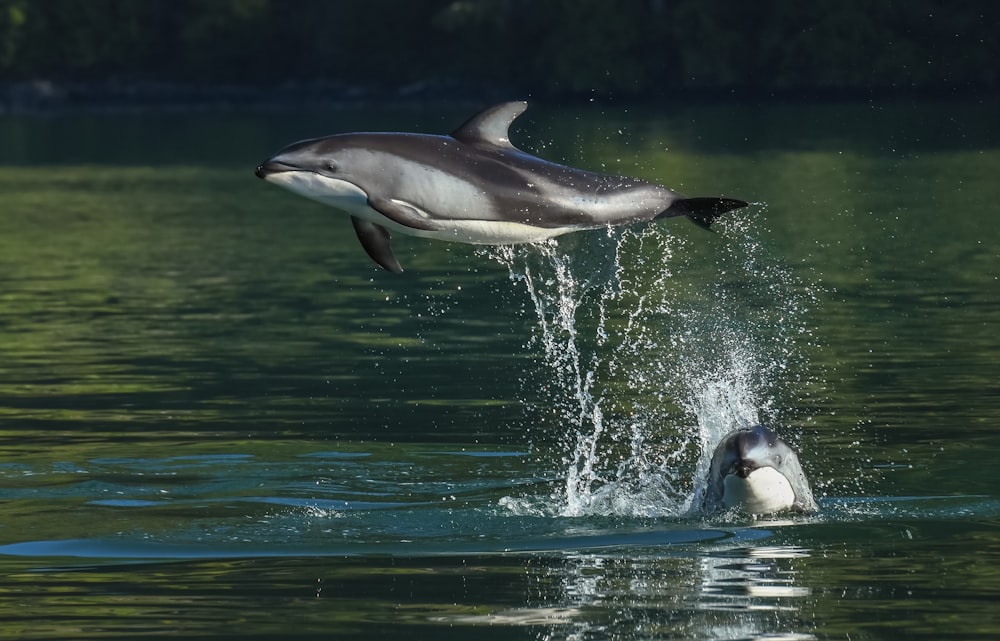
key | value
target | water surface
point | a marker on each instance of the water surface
(218, 419)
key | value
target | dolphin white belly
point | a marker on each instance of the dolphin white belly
(350, 198)
(763, 491)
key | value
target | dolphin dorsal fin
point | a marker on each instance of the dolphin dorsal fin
(490, 126)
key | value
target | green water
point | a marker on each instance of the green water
(218, 419)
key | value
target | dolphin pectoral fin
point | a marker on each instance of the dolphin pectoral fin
(702, 211)
(403, 213)
(375, 241)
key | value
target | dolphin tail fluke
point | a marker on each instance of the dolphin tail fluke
(702, 211)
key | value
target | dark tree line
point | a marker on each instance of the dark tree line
(642, 48)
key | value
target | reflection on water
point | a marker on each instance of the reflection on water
(217, 419)
(851, 578)
(744, 593)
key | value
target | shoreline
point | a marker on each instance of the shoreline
(48, 97)
(43, 97)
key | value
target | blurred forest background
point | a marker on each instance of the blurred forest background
(66, 50)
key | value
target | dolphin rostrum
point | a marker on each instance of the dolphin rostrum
(473, 186)
(755, 471)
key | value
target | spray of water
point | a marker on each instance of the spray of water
(644, 371)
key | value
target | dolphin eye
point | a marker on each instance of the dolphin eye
(331, 166)
(777, 459)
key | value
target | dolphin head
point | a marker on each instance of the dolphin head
(317, 169)
(754, 470)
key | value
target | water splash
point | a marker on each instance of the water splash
(644, 373)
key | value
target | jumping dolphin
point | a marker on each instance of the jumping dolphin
(473, 186)
(755, 471)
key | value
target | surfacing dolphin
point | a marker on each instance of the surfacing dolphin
(473, 186)
(755, 471)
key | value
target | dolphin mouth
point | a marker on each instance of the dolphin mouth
(271, 167)
(745, 468)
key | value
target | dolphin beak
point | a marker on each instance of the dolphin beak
(270, 167)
